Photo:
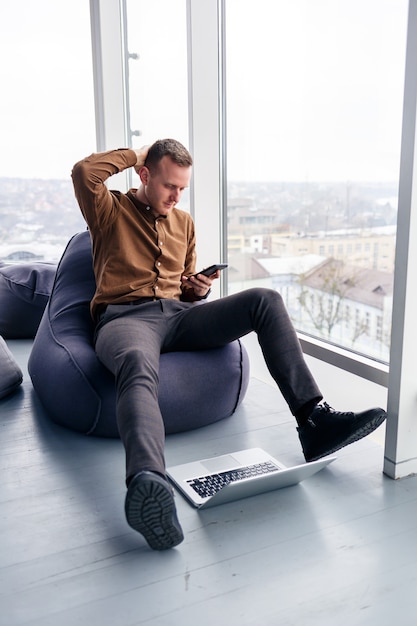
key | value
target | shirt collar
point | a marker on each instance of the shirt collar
(145, 209)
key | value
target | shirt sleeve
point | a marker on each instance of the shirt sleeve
(89, 176)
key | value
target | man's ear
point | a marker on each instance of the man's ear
(144, 175)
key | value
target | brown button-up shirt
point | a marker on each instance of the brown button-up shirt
(135, 255)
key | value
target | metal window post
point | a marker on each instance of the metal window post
(207, 127)
(109, 69)
(401, 438)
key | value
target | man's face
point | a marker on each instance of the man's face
(163, 186)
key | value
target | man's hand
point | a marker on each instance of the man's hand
(141, 155)
(201, 284)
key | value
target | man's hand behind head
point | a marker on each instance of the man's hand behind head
(141, 154)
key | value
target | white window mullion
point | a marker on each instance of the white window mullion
(401, 438)
(109, 64)
(206, 107)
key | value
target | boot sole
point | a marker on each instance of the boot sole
(150, 510)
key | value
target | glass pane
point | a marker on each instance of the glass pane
(314, 107)
(157, 72)
(46, 125)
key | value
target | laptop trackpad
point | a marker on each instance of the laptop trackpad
(221, 463)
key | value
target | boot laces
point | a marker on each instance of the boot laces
(324, 407)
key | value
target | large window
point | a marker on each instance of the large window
(314, 108)
(46, 124)
(47, 120)
(314, 101)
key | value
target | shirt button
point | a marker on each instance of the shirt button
(161, 243)
(156, 287)
(159, 263)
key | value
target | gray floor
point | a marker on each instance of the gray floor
(339, 549)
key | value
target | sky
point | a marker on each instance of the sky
(319, 85)
(47, 107)
(314, 87)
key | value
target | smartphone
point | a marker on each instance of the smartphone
(209, 271)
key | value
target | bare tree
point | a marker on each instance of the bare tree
(322, 296)
(361, 328)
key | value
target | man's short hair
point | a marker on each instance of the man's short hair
(171, 148)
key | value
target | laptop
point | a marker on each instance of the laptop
(238, 475)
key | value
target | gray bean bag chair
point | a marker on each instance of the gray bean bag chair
(78, 392)
(10, 373)
(24, 292)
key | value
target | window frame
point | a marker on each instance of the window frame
(208, 145)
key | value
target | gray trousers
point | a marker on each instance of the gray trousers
(130, 339)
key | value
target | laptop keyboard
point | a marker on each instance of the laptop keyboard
(207, 486)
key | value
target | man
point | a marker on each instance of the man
(145, 304)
